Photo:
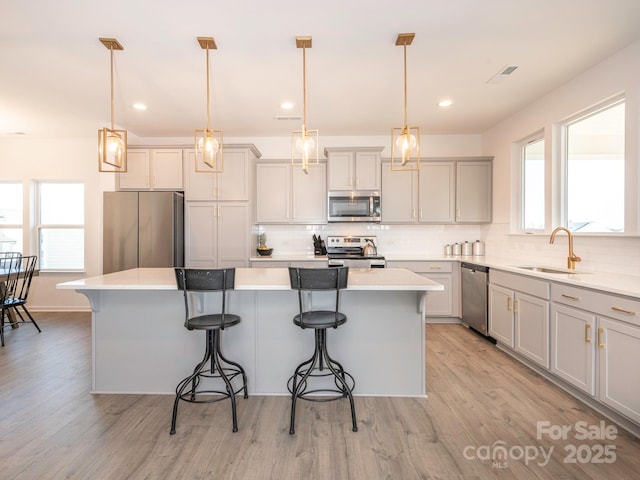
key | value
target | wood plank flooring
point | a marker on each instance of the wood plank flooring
(479, 399)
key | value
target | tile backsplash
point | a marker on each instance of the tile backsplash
(392, 239)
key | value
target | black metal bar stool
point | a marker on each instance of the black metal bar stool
(309, 280)
(214, 365)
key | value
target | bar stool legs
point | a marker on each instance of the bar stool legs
(315, 367)
(213, 365)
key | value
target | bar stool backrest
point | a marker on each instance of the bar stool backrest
(310, 279)
(205, 280)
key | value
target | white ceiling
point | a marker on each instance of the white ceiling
(54, 73)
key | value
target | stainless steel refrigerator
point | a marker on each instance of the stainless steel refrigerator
(142, 229)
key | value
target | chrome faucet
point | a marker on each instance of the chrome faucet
(572, 258)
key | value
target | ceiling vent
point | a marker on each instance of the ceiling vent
(288, 117)
(502, 74)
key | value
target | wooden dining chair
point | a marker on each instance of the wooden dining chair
(15, 291)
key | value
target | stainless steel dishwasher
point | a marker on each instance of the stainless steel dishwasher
(475, 279)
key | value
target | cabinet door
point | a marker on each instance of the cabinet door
(273, 185)
(436, 192)
(501, 314)
(618, 360)
(440, 303)
(201, 233)
(199, 185)
(309, 194)
(340, 171)
(166, 169)
(233, 235)
(137, 175)
(532, 328)
(473, 192)
(573, 347)
(399, 196)
(233, 181)
(367, 171)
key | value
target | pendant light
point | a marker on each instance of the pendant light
(112, 143)
(405, 140)
(304, 143)
(208, 142)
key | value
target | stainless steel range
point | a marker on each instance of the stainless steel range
(357, 252)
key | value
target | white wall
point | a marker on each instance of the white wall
(26, 159)
(619, 73)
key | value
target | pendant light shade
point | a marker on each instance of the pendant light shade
(208, 142)
(112, 143)
(405, 140)
(304, 142)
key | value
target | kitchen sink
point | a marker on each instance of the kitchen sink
(549, 270)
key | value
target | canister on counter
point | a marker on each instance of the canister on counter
(467, 249)
(456, 249)
(447, 249)
(478, 247)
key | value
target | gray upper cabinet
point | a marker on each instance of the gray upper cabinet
(353, 169)
(232, 184)
(473, 192)
(152, 169)
(444, 191)
(285, 194)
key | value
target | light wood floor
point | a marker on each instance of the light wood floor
(52, 428)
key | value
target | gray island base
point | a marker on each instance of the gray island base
(140, 344)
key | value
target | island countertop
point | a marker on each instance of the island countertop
(139, 343)
(254, 279)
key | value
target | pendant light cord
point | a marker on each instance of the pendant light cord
(111, 77)
(405, 85)
(304, 91)
(208, 104)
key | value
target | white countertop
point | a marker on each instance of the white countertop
(383, 279)
(628, 285)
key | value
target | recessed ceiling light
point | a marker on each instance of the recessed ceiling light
(445, 102)
(286, 105)
(139, 106)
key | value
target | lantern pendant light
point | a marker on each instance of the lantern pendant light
(405, 140)
(304, 142)
(112, 143)
(208, 142)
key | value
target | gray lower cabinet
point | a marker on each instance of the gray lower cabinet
(440, 304)
(519, 314)
(595, 345)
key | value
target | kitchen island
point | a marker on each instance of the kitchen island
(140, 345)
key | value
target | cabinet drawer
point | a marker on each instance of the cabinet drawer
(612, 306)
(423, 267)
(521, 283)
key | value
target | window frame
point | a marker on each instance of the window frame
(560, 206)
(25, 209)
(519, 147)
(38, 226)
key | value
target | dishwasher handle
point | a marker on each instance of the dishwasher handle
(475, 267)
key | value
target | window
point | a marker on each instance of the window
(594, 166)
(60, 225)
(11, 217)
(533, 183)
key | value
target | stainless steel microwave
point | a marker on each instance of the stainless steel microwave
(354, 207)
